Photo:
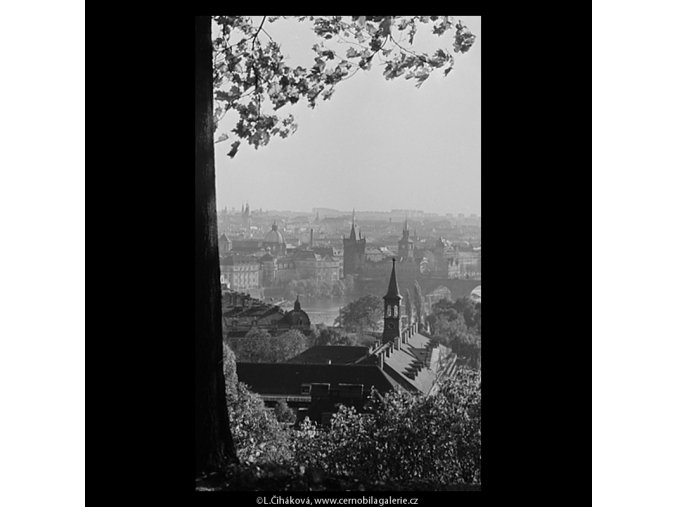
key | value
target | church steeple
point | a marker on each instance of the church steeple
(391, 309)
(405, 246)
(353, 251)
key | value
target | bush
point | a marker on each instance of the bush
(435, 438)
(283, 413)
(257, 434)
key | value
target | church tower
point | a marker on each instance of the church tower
(405, 246)
(247, 218)
(353, 252)
(391, 310)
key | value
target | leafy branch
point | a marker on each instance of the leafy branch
(275, 83)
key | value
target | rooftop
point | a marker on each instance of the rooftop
(322, 354)
(286, 378)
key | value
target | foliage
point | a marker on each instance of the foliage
(419, 302)
(435, 438)
(361, 315)
(468, 308)
(253, 78)
(477, 318)
(258, 346)
(324, 335)
(257, 434)
(288, 345)
(462, 335)
(283, 413)
(446, 308)
(408, 306)
(255, 346)
(430, 440)
(229, 369)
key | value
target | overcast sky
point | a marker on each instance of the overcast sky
(375, 145)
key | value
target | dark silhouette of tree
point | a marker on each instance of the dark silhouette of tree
(213, 439)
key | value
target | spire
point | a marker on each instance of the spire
(393, 291)
(406, 226)
(297, 304)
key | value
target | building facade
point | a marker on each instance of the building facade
(239, 272)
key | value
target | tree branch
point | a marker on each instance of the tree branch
(257, 31)
(402, 47)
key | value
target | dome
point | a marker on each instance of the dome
(274, 236)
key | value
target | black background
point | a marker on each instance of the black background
(535, 199)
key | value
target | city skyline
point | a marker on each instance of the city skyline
(254, 209)
(376, 145)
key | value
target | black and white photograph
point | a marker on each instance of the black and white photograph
(338, 254)
(281, 302)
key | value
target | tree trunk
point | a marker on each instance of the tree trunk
(213, 439)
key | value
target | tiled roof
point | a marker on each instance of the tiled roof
(411, 365)
(337, 354)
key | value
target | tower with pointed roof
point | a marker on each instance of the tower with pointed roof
(246, 218)
(391, 309)
(353, 251)
(405, 246)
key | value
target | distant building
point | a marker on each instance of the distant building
(241, 312)
(353, 252)
(269, 270)
(247, 246)
(274, 241)
(405, 246)
(239, 272)
(246, 218)
(225, 245)
(377, 254)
